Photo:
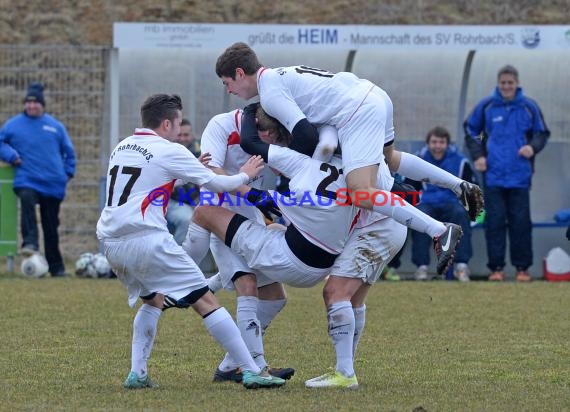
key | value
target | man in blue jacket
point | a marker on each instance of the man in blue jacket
(504, 133)
(38, 146)
(442, 204)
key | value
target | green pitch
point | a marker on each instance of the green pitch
(441, 346)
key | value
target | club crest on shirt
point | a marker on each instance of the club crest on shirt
(49, 128)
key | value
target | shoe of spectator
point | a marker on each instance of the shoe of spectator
(471, 198)
(421, 273)
(462, 272)
(390, 274)
(497, 276)
(445, 245)
(523, 276)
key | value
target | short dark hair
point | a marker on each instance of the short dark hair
(439, 131)
(266, 122)
(185, 122)
(508, 69)
(158, 108)
(237, 55)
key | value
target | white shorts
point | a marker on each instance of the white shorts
(267, 252)
(228, 261)
(362, 138)
(369, 249)
(153, 262)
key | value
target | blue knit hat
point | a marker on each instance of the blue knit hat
(35, 93)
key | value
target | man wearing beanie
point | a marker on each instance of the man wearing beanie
(38, 146)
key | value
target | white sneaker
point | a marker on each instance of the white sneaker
(462, 272)
(422, 273)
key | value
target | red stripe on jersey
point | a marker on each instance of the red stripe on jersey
(234, 138)
(355, 220)
(166, 188)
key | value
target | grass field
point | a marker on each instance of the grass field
(442, 346)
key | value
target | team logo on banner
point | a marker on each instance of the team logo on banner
(530, 38)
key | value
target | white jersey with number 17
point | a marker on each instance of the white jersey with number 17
(141, 175)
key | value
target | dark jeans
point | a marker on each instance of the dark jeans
(508, 209)
(49, 213)
(446, 212)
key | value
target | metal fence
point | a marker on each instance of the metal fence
(75, 81)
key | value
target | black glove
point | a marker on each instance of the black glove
(264, 202)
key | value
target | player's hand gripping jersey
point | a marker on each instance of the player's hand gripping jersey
(141, 174)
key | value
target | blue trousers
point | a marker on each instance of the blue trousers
(508, 210)
(445, 212)
(49, 213)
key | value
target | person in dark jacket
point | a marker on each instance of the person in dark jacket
(442, 204)
(38, 146)
(504, 133)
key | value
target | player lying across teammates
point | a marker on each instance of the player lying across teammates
(300, 97)
(132, 229)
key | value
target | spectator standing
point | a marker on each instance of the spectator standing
(504, 133)
(38, 146)
(442, 204)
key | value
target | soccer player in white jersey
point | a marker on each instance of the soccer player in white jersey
(300, 97)
(132, 228)
(374, 242)
(259, 299)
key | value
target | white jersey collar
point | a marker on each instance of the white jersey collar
(141, 131)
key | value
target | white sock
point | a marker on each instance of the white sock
(222, 327)
(228, 364)
(250, 328)
(267, 310)
(197, 242)
(418, 169)
(402, 212)
(144, 331)
(341, 330)
(359, 321)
